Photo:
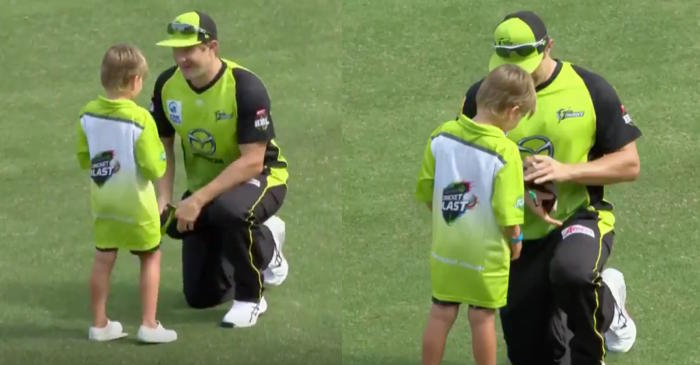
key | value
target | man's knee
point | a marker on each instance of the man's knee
(571, 272)
(225, 214)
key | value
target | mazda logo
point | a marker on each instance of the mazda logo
(536, 145)
(201, 141)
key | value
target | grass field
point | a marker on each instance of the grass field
(406, 66)
(357, 86)
(51, 57)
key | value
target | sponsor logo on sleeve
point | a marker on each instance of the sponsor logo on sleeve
(262, 120)
(626, 116)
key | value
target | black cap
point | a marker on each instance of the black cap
(532, 20)
(207, 23)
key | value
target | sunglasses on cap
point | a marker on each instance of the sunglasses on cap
(186, 29)
(522, 50)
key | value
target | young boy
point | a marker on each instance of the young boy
(118, 141)
(472, 179)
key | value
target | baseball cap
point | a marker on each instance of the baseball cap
(188, 29)
(519, 39)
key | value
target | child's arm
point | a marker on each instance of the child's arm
(426, 177)
(150, 154)
(514, 236)
(508, 199)
(82, 149)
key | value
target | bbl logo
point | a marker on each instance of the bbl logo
(456, 200)
(261, 120)
(536, 145)
(202, 142)
(103, 166)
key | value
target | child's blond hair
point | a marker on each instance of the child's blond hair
(120, 64)
(505, 87)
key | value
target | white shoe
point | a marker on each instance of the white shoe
(112, 331)
(156, 335)
(622, 332)
(244, 314)
(278, 268)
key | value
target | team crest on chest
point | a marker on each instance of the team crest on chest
(175, 111)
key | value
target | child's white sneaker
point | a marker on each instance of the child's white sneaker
(112, 331)
(244, 314)
(156, 335)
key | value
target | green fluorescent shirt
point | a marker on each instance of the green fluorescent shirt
(214, 120)
(118, 141)
(579, 118)
(473, 176)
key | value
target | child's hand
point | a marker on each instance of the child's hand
(535, 201)
(515, 250)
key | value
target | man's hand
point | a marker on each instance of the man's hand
(187, 212)
(541, 169)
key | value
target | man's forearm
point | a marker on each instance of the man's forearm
(613, 168)
(238, 172)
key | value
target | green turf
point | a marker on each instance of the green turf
(406, 66)
(386, 72)
(51, 56)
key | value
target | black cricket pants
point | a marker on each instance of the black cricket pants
(225, 254)
(558, 307)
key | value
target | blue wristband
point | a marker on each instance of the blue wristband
(516, 240)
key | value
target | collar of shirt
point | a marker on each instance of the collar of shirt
(480, 128)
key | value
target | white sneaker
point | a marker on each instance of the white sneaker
(156, 335)
(278, 268)
(112, 331)
(244, 314)
(622, 332)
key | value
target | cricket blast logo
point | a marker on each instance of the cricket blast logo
(103, 166)
(457, 199)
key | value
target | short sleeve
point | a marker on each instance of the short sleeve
(150, 154)
(508, 190)
(614, 126)
(165, 129)
(426, 175)
(254, 117)
(82, 148)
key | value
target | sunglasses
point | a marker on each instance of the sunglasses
(522, 50)
(187, 29)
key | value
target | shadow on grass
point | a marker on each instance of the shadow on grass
(377, 359)
(62, 310)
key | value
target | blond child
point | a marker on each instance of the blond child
(472, 179)
(118, 142)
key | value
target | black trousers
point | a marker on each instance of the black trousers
(225, 254)
(558, 306)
